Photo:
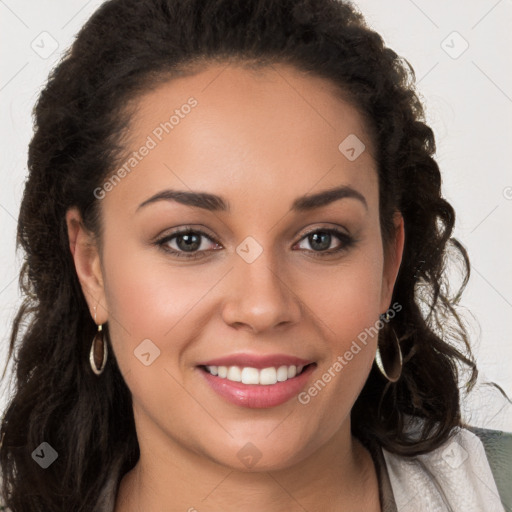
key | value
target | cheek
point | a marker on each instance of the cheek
(151, 309)
(349, 298)
(347, 311)
(146, 295)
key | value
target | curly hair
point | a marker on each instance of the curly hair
(81, 120)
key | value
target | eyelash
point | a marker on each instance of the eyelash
(347, 242)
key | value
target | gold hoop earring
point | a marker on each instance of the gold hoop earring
(99, 351)
(389, 360)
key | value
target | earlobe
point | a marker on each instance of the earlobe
(86, 257)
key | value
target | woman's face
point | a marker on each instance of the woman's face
(248, 282)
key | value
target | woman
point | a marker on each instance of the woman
(235, 241)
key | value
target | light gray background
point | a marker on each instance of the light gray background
(468, 99)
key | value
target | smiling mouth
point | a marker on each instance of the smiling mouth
(254, 376)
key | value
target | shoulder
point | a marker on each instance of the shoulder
(469, 472)
(498, 448)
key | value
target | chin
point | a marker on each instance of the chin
(256, 457)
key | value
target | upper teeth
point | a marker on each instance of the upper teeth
(247, 375)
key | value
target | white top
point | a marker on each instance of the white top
(456, 477)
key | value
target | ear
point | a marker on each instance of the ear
(86, 256)
(392, 260)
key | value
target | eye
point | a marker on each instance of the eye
(320, 239)
(188, 243)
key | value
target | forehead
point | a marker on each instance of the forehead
(274, 96)
(273, 131)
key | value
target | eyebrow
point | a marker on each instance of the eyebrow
(212, 202)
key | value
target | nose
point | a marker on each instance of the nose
(260, 296)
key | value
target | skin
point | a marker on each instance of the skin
(260, 140)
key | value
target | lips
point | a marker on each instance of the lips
(259, 389)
